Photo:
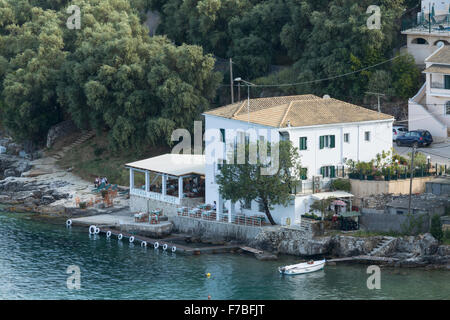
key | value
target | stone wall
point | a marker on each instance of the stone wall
(60, 130)
(215, 229)
(138, 204)
(385, 222)
(365, 188)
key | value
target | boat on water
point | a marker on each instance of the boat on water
(304, 267)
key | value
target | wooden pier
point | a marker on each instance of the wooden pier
(251, 250)
(365, 259)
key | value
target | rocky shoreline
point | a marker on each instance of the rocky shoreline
(422, 251)
(36, 184)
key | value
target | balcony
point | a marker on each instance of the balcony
(439, 88)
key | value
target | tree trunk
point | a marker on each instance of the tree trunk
(267, 211)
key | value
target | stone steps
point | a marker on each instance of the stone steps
(386, 241)
(86, 136)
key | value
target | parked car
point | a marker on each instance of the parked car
(398, 131)
(415, 138)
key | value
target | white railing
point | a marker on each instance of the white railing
(210, 215)
(154, 196)
(243, 219)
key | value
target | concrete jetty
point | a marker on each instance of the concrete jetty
(150, 233)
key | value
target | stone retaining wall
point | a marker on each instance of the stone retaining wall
(385, 222)
(214, 229)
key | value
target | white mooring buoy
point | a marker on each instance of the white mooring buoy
(120, 236)
(143, 243)
(131, 239)
(92, 229)
(69, 223)
(108, 234)
(174, 249)
(156, 245)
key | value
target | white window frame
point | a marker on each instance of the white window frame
(348, 137)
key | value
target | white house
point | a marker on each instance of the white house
(422, 37)
(326, 131)
(430, 108)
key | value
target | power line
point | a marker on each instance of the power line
(329, 78)
(324, 79)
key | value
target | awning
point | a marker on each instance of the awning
(350, 214)
(172, 164)
(332, 194)
(339, 203)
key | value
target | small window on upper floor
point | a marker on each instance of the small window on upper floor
(447, 108)
(347, 137)
(367, 135)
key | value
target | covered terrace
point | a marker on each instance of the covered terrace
(168, 178)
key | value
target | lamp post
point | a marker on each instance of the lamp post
(429, 161)
(248, 95)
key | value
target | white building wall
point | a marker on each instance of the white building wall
(313, 158)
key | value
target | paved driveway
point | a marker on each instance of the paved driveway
(439, 152)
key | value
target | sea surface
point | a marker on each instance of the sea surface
(35, 255)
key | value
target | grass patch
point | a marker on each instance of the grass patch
(367, 234)
(94, 158)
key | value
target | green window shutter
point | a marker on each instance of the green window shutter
(332, 172)
(322, 171)
(447, 82)
(303, 143)
(332, 141)
(222, 132)
(322, 143)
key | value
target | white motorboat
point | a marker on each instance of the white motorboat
(305, 267)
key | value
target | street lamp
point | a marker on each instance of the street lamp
(248, 95)
(429, 161)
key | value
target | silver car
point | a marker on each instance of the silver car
(398, 131)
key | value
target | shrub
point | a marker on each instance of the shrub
(341, 184)
(436, 227)
(98, 151)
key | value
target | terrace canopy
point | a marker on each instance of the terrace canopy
(169, 167)
(332, 194)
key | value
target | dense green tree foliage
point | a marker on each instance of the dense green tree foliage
(109, 75)
(312, 39)
(31, 55)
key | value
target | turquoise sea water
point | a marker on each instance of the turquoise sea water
(35, 254)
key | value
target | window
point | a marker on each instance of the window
(327, 141)
(446, 82)
(447, 107)
(399, 212)
(247, 204)
(222, 132)
(419, 41)
(304, 173)
(367, 135)
(328, 171)
(260, 206)
(347, 137)
(303, 143)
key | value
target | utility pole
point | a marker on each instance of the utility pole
(239, 91)
(378, 96)
(231, 81)
(429, 17)
(411, 173)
